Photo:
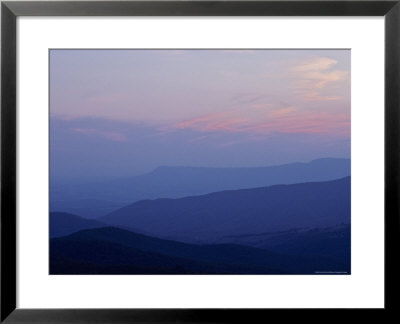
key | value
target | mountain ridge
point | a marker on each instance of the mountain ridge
(177, 182)
(109, 248)
(62, 224)
(273, 208)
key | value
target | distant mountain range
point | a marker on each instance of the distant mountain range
(333, 242)
(98, 199)
(115, 251)
(62, 224)
(282, 229)
(238, 212)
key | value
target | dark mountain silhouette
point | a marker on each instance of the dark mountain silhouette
(267, 209)
(333, 242)
(98, 199)
(111, 251)
(62, 224)
(88, 208)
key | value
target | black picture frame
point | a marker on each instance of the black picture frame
(10, 10)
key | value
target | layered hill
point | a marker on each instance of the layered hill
(100, 198)
(237, 212)
(332, 242)
(62, 224)
(116, 251)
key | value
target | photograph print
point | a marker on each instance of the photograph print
(200, 162)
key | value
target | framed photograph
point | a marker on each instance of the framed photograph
(198, 161)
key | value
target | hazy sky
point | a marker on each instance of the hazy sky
(125, 112)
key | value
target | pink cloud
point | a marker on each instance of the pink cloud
(316, 75)
(312, 124)
(284, 120)
(316, 64)
(199, 120)
(316, 96)
(281, 112)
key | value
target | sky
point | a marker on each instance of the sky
(116, 113)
